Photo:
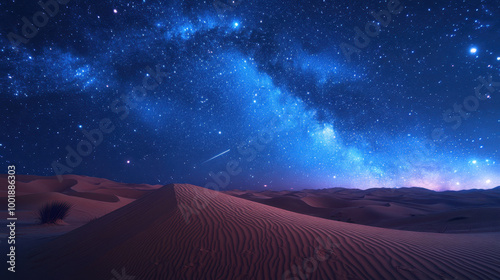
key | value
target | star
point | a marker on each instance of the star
(265, 91)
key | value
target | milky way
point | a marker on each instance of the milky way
(274, 94)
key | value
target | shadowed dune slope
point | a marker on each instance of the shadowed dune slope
(155, 237)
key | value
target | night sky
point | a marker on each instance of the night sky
(276, 94)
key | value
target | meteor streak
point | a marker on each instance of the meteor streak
(216, 156)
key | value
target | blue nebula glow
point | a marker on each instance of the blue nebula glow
(364, 123)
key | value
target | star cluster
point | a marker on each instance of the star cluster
(229, 71)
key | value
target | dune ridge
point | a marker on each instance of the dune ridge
(233, 238)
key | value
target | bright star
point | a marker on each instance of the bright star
(128, 161)
(235, 24)
(473, 50)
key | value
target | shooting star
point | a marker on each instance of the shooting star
(215, 156)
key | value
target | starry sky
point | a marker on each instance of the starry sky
(273, 94)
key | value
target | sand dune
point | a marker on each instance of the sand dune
(30, 184)
(412, 209)
(233, 238)
(91, 198)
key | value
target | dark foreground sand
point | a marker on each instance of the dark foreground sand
(186, 232)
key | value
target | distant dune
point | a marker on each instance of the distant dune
(187, 232)
(413, 209)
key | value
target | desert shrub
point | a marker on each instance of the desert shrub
(51, 212)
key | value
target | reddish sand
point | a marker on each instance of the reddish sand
(91, 197)
(155, 237)
(186, 232)
(412, 209)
